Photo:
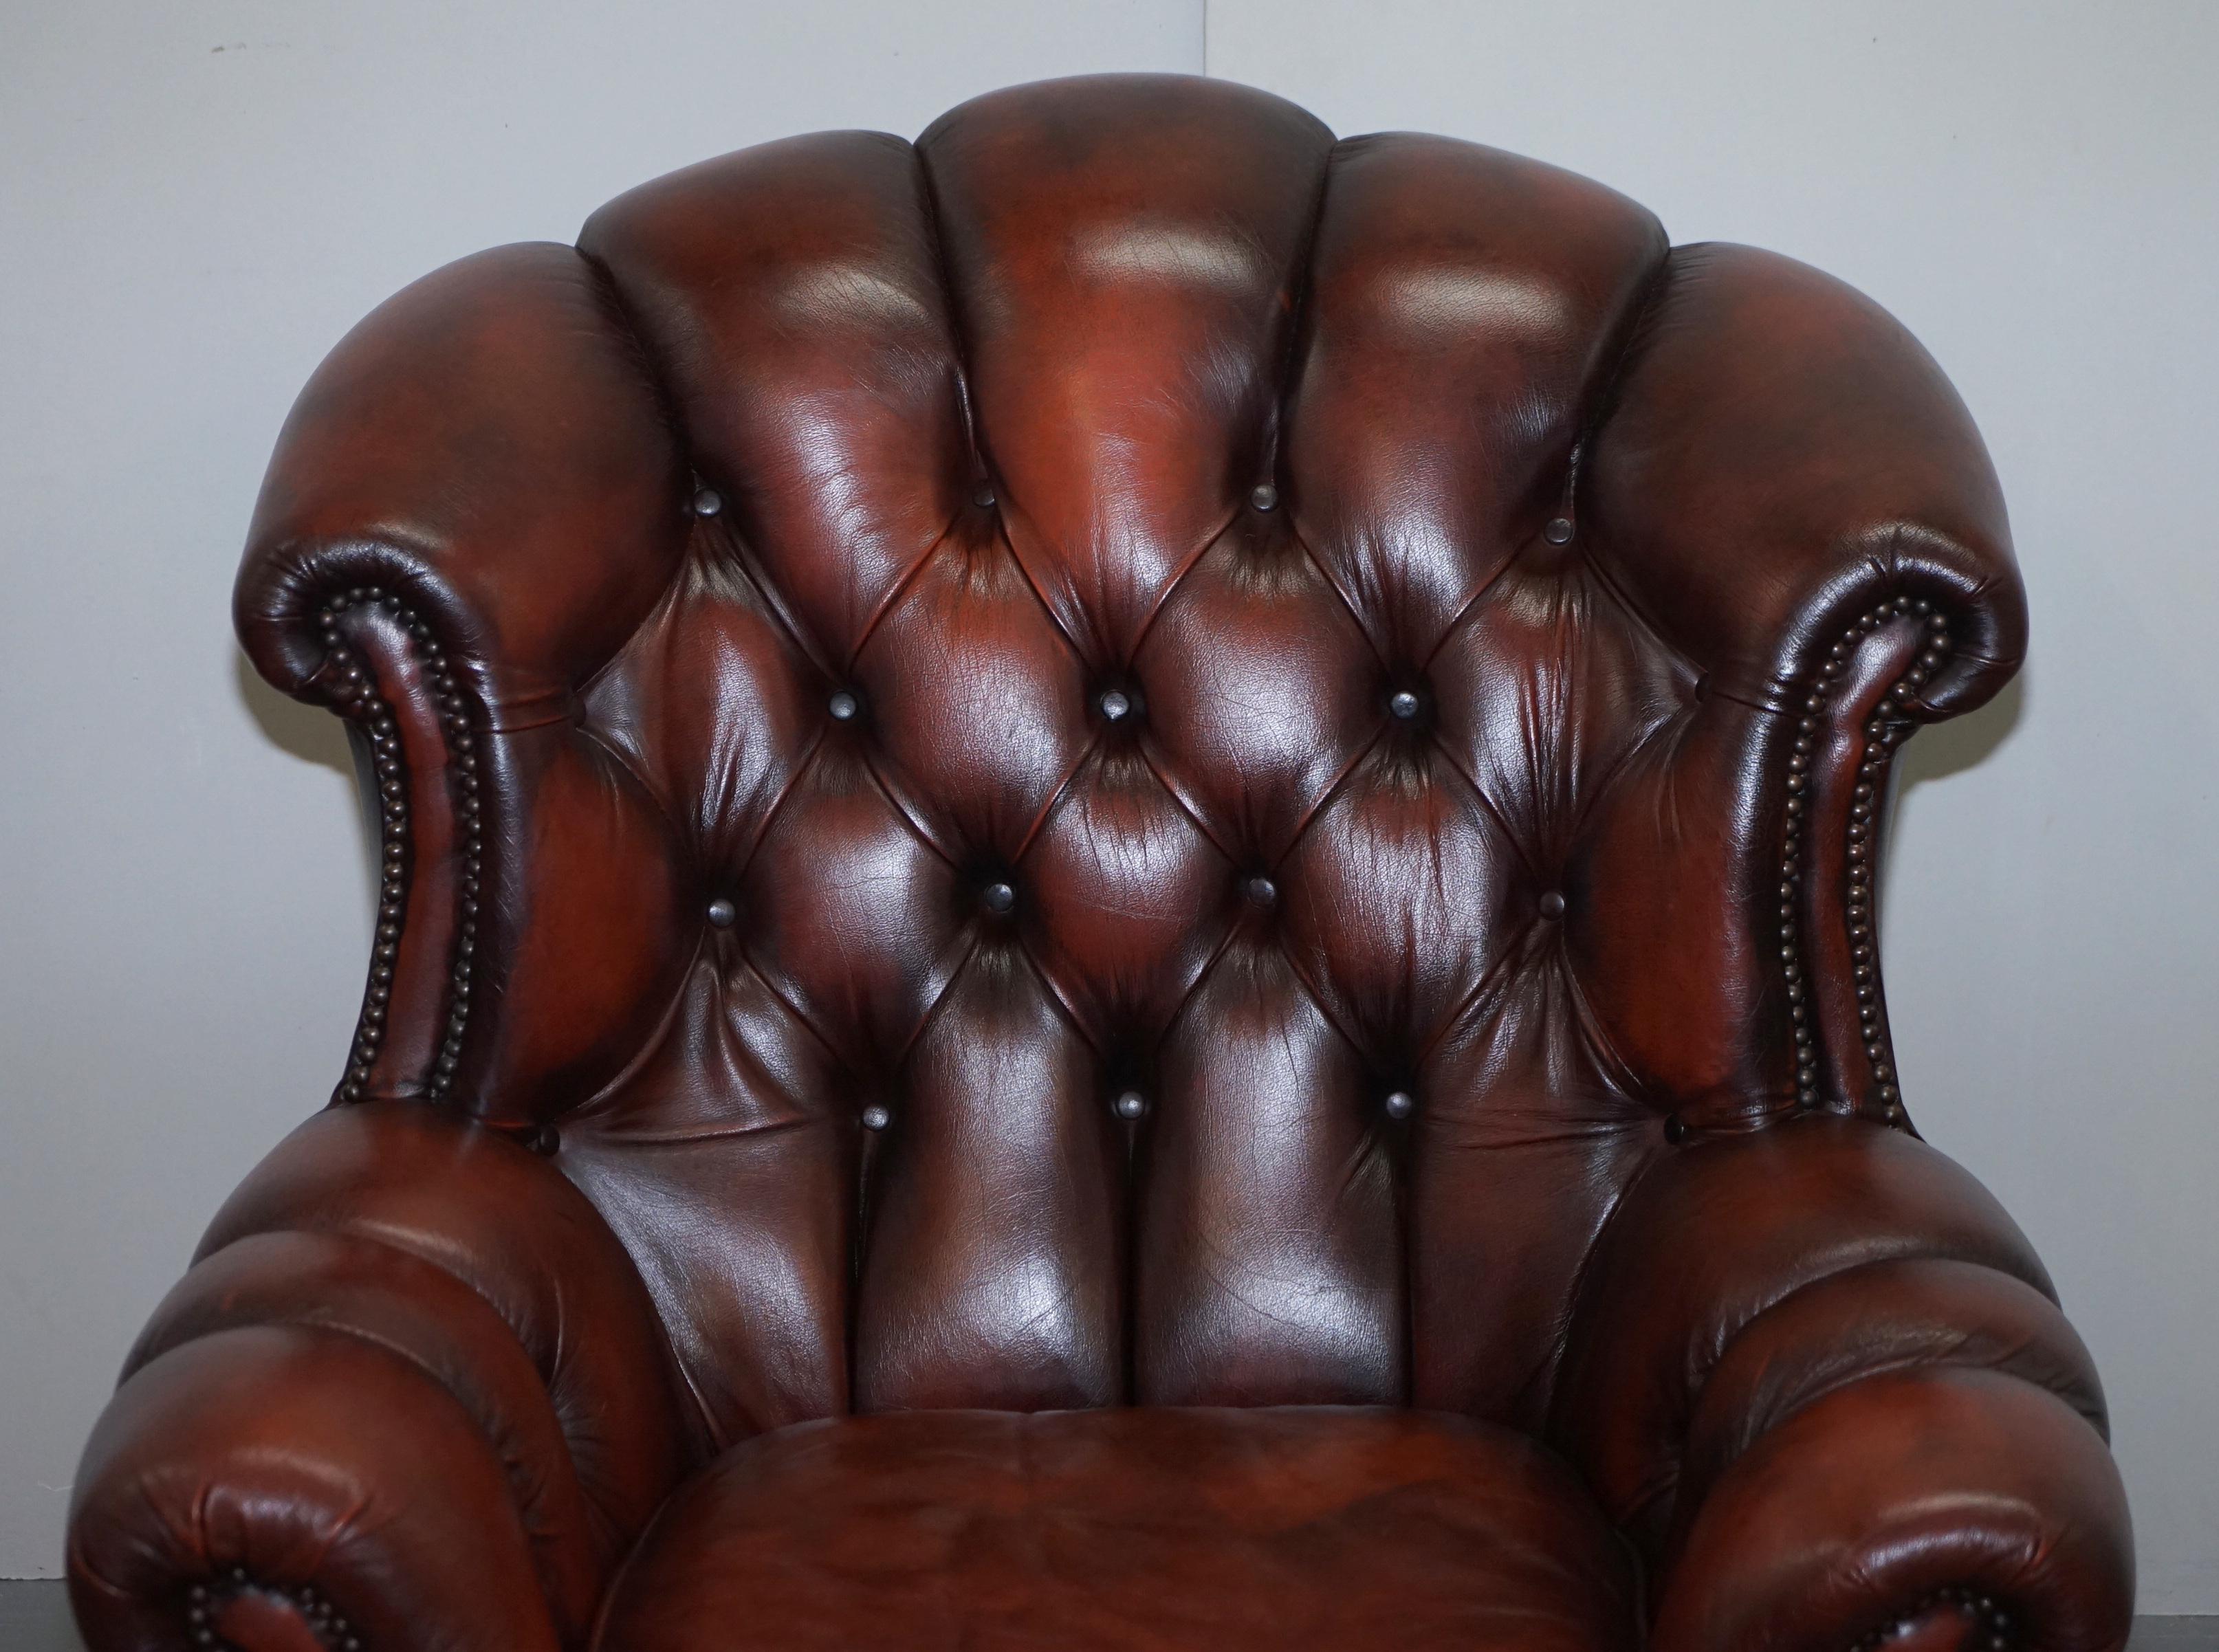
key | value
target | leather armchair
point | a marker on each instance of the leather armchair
(1127, 901)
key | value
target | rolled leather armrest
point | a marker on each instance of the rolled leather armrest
(255, 1481)
(1780, 454)
(474, 503)
(1936, 1508)
(411, 1380)
(1782, 485)
(1819, 1377)
(488, 447)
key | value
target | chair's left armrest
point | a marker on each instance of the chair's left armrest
(413, 1383)
(1820, 1378)
(473, 506)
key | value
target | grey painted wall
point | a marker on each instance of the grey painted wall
(197, 199)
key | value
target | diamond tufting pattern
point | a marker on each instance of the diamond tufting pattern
(1051, 448)
(1196, 802)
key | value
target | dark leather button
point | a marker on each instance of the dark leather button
(1404, 705)
(843, 706)
(1114, 706)
(1131, 1104)
(998, 897)
(1552, 904)
(544, 1139)
(1558, 531)
(876, 1117)
(1265, 497)
(721, 912)
(1675, 1129)
(1400, 1104)
(707, 501)
(983, 497)
(1262, 891)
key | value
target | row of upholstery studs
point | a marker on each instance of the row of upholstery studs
(1992, 1624)
(360, 700)
(1881, 735)
(203, 1601)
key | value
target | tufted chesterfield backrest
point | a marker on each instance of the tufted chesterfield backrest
(1128, 753)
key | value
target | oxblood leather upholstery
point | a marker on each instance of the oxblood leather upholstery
(1293, 1528)
(1129, 758)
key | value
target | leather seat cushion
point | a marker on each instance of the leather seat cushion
(1300, 1527)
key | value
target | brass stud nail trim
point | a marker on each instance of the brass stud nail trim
(1882, 733)
(355, 691)
(1992, 1625)
(203, 1601)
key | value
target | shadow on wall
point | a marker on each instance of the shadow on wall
(1939, 750)
(1944, 748)
(312, 733)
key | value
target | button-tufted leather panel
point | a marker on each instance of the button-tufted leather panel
(1128, 755)
(989, 419)
(1428, 774)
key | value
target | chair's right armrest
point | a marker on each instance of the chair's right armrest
(1788, 492)
(1779, 455)
(412, 1382)
(1819, 1378)
(476, 501)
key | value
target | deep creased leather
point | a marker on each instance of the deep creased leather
(388, 1256)
(1131, 756)
(1859, 1509)
(281, 1456)
(1718, 1243)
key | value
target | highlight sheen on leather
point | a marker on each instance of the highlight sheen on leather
(1127, 901)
